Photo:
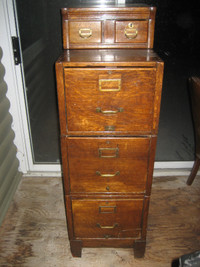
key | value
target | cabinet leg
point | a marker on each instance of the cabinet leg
(139, 249)
(194, 171)
(76, 248)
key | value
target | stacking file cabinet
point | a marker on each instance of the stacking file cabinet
(109, 84)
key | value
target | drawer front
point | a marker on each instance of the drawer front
(84, 32)
(131, 31)
(107, 218)
(108, 165)
(109, 101)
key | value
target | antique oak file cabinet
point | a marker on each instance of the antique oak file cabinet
(109, 84)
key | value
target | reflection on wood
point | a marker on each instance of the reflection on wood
(34, 231)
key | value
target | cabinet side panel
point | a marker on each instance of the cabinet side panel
(145, 217)
(151, 27)
(65, 168)
(152, 153)
(157, 97)
(69, 217)
(61, 99)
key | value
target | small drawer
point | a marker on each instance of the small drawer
(131, 31)
(84, 32)
(122, 218)
(108, 165)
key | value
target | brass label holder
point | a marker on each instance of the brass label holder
(104, 152)
(107, 209)
(105, 87)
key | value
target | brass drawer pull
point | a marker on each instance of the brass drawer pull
(107, 174)
(130, 32)
(109, 111)
(85, 33)
(106, 150)
(117, 83)
(107, 226)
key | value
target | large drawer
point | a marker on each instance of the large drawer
(108, 165)
(112, 101)
(107, 218)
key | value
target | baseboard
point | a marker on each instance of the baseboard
(172, 172)
(167, 168)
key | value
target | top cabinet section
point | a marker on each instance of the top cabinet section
(108, 27)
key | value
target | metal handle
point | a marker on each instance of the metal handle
(109, 111)
(131, 34)
(107, 174)
(107, 226)
(85, 33)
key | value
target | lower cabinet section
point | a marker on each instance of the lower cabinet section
(107, 184)
(107, 218)
(107, 222)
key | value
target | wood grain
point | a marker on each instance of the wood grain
(34, 230)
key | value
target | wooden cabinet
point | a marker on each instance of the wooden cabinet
(109, 104)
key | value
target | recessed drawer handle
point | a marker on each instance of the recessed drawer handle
(107, 226)
(107, 174)
(109, 111)
(131, 33)
(85, 33)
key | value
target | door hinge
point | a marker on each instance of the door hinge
(16, 50)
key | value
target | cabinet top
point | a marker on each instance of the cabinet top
(123, 26)
(108, 57)
(99, 8)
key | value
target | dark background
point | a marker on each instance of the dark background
(176, 42)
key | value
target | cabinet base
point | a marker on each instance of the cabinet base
(138, 246)
(139, 249)
(76, 248)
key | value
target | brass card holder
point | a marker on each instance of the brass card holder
(110, 85)
(107, 209)
(107, 152)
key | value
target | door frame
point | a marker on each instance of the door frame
(14, 78)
